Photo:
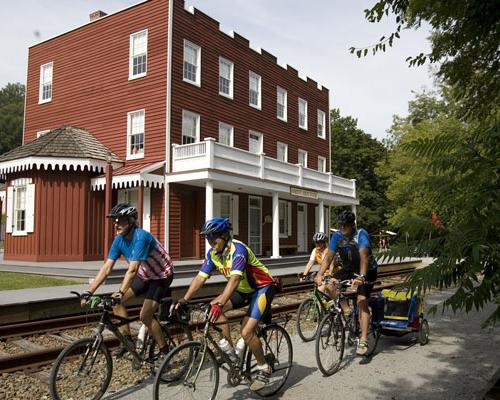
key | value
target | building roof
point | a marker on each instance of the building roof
(67, 142)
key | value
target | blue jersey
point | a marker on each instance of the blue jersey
(143, 247)
(348, 249)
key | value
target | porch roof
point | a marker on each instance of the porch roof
(66, 147)
(150, 174)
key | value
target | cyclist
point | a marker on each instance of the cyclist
(150, 272)
(354, 248)
(249, 283)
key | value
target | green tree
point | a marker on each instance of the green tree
(355, 154)
(11, 116)
(458, 156)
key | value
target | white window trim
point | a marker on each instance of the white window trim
(298, 158)
(259, 97)
(261, 150)
(231, 133)
(324, 164)
(131, 75)
(260, 207)
(286, 151)
(322, 134)
(40, 88)
(29, 207)
(41, 133)
(285, 116)
(191, 114)
(129, 127)
(198, 69)
(306, 121)
(234, 214)
(231, 85)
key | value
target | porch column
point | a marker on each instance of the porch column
(108, 228)
(276, 226)
(353, 209)
(140, 205)
(209, 204)
(321, 216)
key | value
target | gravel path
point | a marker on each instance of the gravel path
(458, 363)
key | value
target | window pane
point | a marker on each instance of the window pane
(189, 128)
(225, 206)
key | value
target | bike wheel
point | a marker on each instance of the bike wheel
(308, 319)
(188, 371)
(82, 371)
(175, 334)
(423, 332)
(373, 337)
(330, 342)
(278, 353)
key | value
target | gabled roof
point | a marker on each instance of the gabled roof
(66, 141)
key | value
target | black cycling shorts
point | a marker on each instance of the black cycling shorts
(366, 288)
(155, 289)
(259, 301)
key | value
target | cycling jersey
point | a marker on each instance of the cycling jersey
(237, 259)
(143, 247)
(348, 249)
(318, 255)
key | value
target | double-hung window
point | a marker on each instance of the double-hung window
(321, 164)
(302, 114)
(138, 63)
(281, 95)
(226, 69)
(225, 134)
(190, 127)
(45, 94)
(285, 218)
(255, 142)
(254, 90)
(282, 152)
(303, 158)
(321, 124)
(20, 207)
(192, 63)
(135, 136)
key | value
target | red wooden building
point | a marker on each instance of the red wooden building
(157, 106)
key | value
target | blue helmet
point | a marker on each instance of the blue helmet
(216, 225)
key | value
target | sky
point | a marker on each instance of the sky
(311, 36)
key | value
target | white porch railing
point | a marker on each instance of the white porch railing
(210, 154)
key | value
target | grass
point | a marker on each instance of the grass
(14, 280)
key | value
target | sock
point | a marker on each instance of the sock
(263, 367)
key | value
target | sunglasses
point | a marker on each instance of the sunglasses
(211, 237)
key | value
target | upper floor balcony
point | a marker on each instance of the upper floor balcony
(209, 155)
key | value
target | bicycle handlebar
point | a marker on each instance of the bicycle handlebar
(104, 301)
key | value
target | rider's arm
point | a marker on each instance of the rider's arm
(363, 265)
(310, 263)
(195, 285)
(101, 275)
(231, 286)
(129, 276)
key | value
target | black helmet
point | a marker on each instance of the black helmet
(123, 210)
(346, 217)
(319, 237)
(216, 225)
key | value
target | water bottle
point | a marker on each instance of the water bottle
(140, 338)
(240, 347)
(228, 349)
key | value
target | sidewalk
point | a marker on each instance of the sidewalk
(458, 363)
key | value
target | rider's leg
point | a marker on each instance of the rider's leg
(226, 331)
(148, 309)
(121, 311)
(364, 316)
(248, 334)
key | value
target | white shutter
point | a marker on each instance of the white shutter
(216, 210)
(235, 219)
(30, 207)
(146, 212)
(10, 209)
(289, 209)
(316, 219)
(327, 221)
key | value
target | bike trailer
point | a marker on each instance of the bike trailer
(398, 310)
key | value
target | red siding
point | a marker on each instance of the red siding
(157, 214)
(91, 89)
(205, 100)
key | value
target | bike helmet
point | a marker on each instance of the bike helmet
(216, 225)
(123, 210)
(319, 237)
(346, 217)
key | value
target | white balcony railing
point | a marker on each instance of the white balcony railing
(210, 154)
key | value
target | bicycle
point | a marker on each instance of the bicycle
(83, 369)
(331, 337)
(311, 311)
(192, 368)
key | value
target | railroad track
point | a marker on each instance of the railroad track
(32, 360)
